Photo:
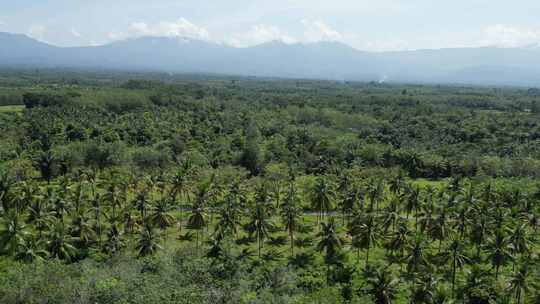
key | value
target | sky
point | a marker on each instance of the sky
(382, 25)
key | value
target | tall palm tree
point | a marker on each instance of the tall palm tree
(498, 249)
(521, 240)
(148, 242)
(114, 242)
(322, 196)
(424, 290)
(60, 243)
(330, 242)
(365, 233)
(375, 194)
(30, 250)
(479, 231)
(230, 216)
(12, 232)
(383, 286)
(518, 283)
(259, 223)
(417, 258)
(197, 221)
(456, 255)
(82, 229)
(142, 203)
(291, 214)
(161, 216)
(399, 239)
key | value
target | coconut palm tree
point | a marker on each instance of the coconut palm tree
(197, 221)
(82, 229)
(142, 203)
(291, 214)
(322, 197)
(424, 290)
(60, 244)
(148, 242)
(417, 258)
(518, 284)
(455, 254)
(478, 233)
(114, 242)
(330, 242)
(498, 249)
(520, 240)
(30, 250)
(398, 240)
(12, 232)
(365, 233)
(160, 216)
(259, 223)
(230, 216)
(382, 286)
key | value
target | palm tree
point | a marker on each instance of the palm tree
(260, 223)
(477, 285)
(399, 239)
(161, 216)
(229, 216)
(45, 164)
(147, 243)
(375, 194)
(383, 286)
(478, 232)
(141, 203)
(291, 214)
(30, 250)
(83, 229)
(112, 196)
(520, 240)
(439, 229)
(365, 233)
(498, 250)
(424, 291)
(60, 242)
(322, 197)
(518, 284)
(417, 257)
(12, 232)
(455, 253)
(197, 221)
(114, 241)
(330, 242)
(6, 185)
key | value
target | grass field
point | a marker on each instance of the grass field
(11, 109)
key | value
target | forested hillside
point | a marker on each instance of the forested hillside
(153, 188)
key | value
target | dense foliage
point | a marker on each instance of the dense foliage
(149, 188)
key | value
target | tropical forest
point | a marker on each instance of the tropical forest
(143, 187)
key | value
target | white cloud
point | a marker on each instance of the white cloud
(75, 33)
(509, 36)
(313, 31)
(259, 34)
(180, 28)
(316, 30)
(37, 32)
(2, 23)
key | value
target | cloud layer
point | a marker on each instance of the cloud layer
(179, 28)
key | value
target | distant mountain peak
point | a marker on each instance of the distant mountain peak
(278, 58)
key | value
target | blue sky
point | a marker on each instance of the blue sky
(382, 25)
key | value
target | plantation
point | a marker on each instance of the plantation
(151, 188)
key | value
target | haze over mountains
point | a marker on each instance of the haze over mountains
(323, 60)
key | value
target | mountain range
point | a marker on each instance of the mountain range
(320, 60)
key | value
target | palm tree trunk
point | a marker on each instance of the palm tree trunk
(292, 242)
